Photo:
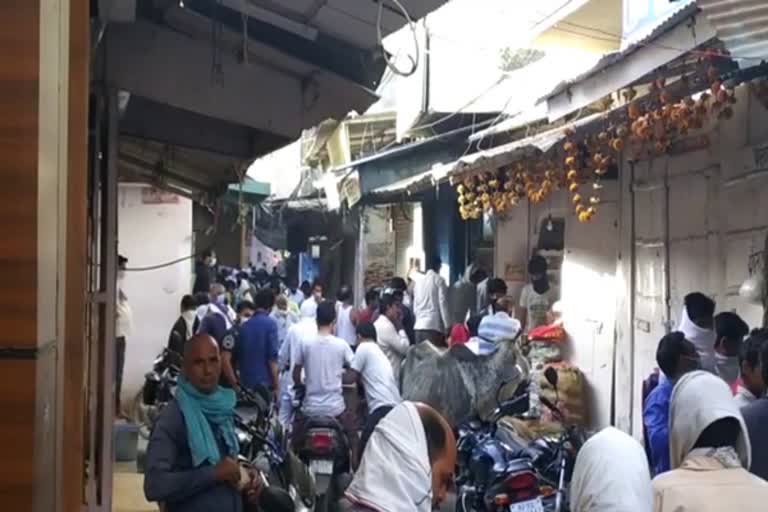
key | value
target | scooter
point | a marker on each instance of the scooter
(325, 449)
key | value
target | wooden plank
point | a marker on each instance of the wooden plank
(19, 95)
(73, 400)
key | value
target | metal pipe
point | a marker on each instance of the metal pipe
(633, 292)
(747, 176)
(667, 252)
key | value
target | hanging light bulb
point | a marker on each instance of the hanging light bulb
(550, 226)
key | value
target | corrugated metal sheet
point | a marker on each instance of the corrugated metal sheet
(490, 158)
(686, 10)
(741, 24)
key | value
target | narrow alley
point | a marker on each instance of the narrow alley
(385, 255)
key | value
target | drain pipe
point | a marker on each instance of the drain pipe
(667, 253)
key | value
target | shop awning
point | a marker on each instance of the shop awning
(476, 162)
(240, 78)
(742, 25)
(682, 31)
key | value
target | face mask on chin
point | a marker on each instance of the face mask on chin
(189, 316)
(212, 263)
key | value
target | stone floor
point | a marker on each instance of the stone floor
(128, 487)
(128, 490)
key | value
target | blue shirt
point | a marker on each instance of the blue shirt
(171, 477)
(656, 420)
(256, 348)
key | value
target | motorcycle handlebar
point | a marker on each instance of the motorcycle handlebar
(552, 407)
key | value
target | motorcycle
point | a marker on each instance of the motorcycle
(493, 475)
(264, 451)
(498, 471)
(555, 458)
(158, 390)
(325, 450)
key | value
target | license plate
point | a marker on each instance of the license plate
(321, 467)
(528, 506)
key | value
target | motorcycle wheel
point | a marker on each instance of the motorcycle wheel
(463, 503)
(321, 503)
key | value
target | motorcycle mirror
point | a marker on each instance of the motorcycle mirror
(551, 375)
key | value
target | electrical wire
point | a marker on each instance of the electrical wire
(548, 16)
(163, 265)
(614, 38)
(380, 40)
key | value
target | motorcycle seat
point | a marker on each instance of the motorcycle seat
(323, 422)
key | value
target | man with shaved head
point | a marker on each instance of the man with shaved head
(191, 460)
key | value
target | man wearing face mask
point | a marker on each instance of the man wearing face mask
(123, 326)
(204, 268)
(676, 356)
(217, 320)
(697, 323)
(186, 325)
(536, 297)
(231, 344)
(730, 330)
(317, 291)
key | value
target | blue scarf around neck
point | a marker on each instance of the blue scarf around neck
(202, 412)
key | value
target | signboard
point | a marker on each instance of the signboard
(350, 189)
(151, 195)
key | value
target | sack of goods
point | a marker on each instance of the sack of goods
(545, 344)
(542, 352)
(570, 397)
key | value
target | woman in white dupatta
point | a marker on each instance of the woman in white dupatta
(402, 470)
(709, 451)
(611, 475)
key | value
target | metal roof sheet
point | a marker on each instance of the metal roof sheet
(685, 11)
(492, 158)
(741, 24)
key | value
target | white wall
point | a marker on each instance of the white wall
(716, 219)
(588, 284)
(148, 235)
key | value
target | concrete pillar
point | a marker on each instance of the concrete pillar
(43, 140)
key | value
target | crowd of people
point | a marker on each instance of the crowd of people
(702, 411)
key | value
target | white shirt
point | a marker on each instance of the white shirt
(124, 316)
(537, 305)
(323, 358)
(376, 373)
(393, 344)
(430, 303)
(345, 329)
(296, 297)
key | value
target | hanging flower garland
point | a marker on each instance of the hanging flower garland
(651, 124)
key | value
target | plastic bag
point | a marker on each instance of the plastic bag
(552, 333)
